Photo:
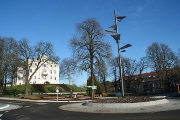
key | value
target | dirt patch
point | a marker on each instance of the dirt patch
(126, 100)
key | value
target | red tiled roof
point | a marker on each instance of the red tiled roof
(142, 75)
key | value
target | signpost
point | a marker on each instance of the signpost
(57, 91)
(92, 87)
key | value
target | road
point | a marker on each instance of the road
(50, 111)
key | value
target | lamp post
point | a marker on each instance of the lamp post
(116, 36)
(120, 64)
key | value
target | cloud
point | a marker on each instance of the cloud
(134, 22)
(138, 11)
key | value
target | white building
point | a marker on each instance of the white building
(47, 73)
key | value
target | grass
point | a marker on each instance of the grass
(77, 89)
(52, 88)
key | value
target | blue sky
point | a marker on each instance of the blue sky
(54, 21)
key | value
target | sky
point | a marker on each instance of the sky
(54, 21)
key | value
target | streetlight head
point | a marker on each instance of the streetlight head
(129, 45)
(126, 46)
(114, 27)
(116, 37)
(110, 32)
(119, 18)
(123, 51)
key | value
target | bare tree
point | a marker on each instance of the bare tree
(178, 58)
(2, 56)
(8, 60)
(68, 69)
(142, 65)
(12, 59)
(173, 74)
(161, 58)
(130, 68)
(40, 53)
(114, 71)
(89, 47)
(101, 69)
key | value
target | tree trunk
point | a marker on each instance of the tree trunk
(26, 80)
(91, 62)
(1, 83)
(92, 77)
(115, 79)
(26, 86)
(69, 77)
(104, 81)
(1, 87)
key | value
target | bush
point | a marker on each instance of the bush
(51, 89)
(20, 89)
(76, 89)
(38, 88)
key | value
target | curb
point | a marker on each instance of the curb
(28, 100)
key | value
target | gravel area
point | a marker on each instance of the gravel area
(141, 107)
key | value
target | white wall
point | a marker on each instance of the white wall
(47, 72)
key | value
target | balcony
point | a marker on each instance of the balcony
(44, 73)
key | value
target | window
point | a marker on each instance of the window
(34, 77)
(30, 70)
(54, 65)
(44, 77)
(51, 65)
(54, 71)
(44, 65)
(20, 71)
(35, 64)
(51, 71)
(55, 78)
(51, 77)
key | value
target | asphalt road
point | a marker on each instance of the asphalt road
(50, 111)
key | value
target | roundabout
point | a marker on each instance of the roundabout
(141, 107)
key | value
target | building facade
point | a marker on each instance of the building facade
(48, 73)
(151, 82)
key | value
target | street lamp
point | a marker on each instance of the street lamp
(126, 46)
(116, 36)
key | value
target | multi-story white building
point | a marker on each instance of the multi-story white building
(47, 73)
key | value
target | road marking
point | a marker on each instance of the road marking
(5, 106)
